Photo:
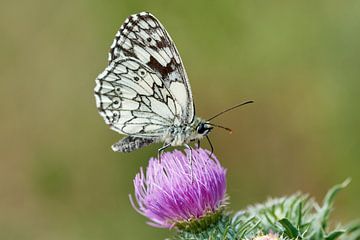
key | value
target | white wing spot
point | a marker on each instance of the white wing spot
(165, 56)
(98, 101)
(168, 52)
(143, 24)
(132, 35)
(119, 69)
(143, 55)
(112, 77)
(126, 44)
(151, 23)
(131, 65)
(135, 28)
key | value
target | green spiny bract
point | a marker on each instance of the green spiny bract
(289, 218)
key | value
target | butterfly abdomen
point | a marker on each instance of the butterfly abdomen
(129, 144)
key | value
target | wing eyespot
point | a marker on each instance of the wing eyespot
(116, 102)
(118, 90)
(142, 72)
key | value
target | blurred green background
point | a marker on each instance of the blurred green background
(299, 60)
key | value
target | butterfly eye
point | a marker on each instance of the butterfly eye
(201, 128)
(148, 39)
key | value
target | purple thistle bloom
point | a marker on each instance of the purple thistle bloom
(169, 194)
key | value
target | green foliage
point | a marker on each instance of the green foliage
(294, 217)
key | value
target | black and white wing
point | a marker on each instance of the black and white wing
(142, 37)
(134, 101)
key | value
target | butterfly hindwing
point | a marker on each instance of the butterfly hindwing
(134, 101)
(142, 37)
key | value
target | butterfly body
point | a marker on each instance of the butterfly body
(184, 134)
(175, 136)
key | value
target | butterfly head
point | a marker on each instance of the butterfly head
(203, 128)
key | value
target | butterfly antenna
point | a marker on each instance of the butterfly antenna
(229, 109)
(219, 126)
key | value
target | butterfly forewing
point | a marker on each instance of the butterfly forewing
(133, 100)
(142, 37)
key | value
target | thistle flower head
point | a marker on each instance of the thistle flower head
(171, 192)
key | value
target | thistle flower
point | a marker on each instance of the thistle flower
(172, 193)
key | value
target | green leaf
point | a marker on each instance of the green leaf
(325, 210)
(299, 214)
(334, 235)
(290, 229)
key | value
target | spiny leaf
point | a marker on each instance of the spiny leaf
(334, 235)
(325, 210)
(290, 229)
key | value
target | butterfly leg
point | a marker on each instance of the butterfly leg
(160, 150)
(197, 145)
(211, 146)
(190, 161)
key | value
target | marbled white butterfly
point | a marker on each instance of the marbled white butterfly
(144, 92)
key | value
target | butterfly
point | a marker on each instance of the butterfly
(144, 92)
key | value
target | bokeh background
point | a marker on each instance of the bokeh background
(299, 60)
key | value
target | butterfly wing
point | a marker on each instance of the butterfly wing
(134, 101)
(143, 37)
